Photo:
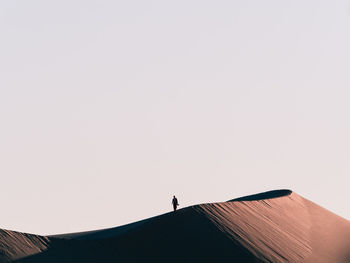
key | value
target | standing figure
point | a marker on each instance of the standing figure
(175, 203)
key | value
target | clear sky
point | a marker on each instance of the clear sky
(108, 108)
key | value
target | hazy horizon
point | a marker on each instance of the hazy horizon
(109, 108)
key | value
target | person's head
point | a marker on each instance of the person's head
(174, 196)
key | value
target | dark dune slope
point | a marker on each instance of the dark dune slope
(185, 236)
(276, 226)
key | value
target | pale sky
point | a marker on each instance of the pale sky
(108, 108)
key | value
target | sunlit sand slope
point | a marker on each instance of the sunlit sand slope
(15, 245)
(277, 226)
(284, 229)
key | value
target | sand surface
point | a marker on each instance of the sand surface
(277, 226)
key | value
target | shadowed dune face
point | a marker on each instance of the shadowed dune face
(265, 195)
(184, 236)
(285, 227)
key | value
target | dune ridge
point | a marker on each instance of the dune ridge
(275, 226)
(15, 245)
(284, 227)
(274, 230)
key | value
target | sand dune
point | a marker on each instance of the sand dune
(277, 226)
(15, 245)
(284, 229)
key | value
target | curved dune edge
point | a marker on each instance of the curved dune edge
(274, 230)
(115, 231)
(275, 226)
(264, 195)
(285, 229)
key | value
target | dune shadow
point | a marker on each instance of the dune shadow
(264, 195)
(183, 236)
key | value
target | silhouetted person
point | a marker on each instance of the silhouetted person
(175, 203)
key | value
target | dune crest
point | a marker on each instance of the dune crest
(276, 226)
(285, 227)
(274, 230)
